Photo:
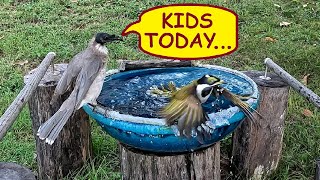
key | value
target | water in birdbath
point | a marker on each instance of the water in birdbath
(127, 92)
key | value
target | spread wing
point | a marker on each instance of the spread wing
(186, 111)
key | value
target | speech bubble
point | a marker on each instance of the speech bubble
(186, 31)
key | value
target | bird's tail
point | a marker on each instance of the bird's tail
(236, 100)
(50, 130)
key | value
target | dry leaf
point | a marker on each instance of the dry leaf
(277, 5)
(304, 5)
(74, 1)
(307, 113)
(270, 39)
(21, 63)
(305, 79)
(283, 23)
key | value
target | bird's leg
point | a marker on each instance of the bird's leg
(94, 105)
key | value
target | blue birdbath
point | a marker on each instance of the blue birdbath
(130, 113)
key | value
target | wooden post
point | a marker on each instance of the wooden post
(73, 146)
(200, 165)
(257, 148)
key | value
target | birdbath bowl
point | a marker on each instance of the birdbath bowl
(130, 113)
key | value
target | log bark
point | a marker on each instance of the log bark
(200, 165)
(11, 114)
(294, 83)
(257, 148)
(73, 146)
(127, 65)
(137, 165)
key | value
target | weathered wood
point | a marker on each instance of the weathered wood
(257, 146)
(200, 165)
(127, 65)
(294, 83)
(10, 171)
(73, 146)
(11, 114)
(317, 176)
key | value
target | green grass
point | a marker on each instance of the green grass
(28, 30)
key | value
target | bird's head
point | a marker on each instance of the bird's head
(210, 80)
(103, 38)
(205, 86)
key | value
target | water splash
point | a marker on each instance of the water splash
(131, 95)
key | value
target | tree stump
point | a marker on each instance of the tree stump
(137, 165)
(199, 165)
(73, 146)
(257, 148)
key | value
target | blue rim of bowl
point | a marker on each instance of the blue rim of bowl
(156, 126)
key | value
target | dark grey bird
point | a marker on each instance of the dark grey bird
(86, 71)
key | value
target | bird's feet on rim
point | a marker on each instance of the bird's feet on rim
(94, 105)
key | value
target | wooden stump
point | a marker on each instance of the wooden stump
(73, 146)
(200, 165)
(257, 149)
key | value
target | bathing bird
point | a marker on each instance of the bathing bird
(86, 71)
(185, 107)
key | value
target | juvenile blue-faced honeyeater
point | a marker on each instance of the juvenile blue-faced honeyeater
(185, 108)
(86, 71)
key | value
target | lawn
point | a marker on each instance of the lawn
(29, 30)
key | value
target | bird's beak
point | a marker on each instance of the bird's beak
(115, 38)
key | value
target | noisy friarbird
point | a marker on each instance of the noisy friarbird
(185, 107)
(86, 71)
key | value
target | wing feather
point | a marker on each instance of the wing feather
(86, 77)
(188, 113)
(238, 102)
(70, 74)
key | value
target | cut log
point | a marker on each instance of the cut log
(257, 146)
(127, 65)
(200, 165)
(73, 146)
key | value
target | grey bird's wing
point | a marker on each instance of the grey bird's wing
(72, 71)
(51, 128)
(86, 77)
